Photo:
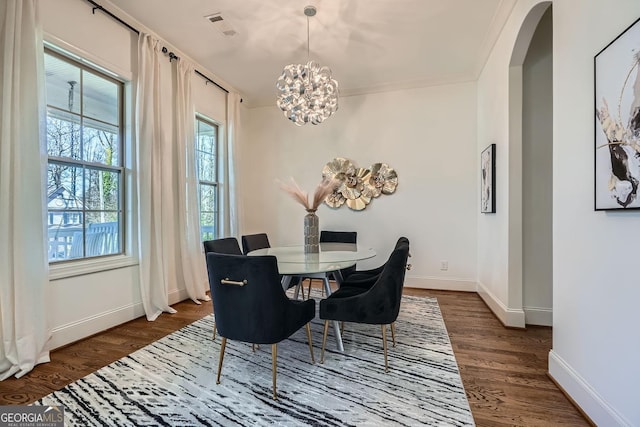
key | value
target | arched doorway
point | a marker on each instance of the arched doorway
(530, 167)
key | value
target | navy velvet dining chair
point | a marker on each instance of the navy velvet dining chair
(366, 278)
(376, 305)
(253, 242)
(328, 236)
(250, 305)
(225, 245)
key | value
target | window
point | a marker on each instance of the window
(85, 160)
(207, 165)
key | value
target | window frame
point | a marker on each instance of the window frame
(87, 264)
(215, 184)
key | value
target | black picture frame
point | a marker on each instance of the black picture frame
(617, 122)
(488, 179)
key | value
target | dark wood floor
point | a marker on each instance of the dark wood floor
(503, 370)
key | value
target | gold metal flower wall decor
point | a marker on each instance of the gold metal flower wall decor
(358, 186)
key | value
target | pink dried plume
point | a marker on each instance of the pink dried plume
(324, 188)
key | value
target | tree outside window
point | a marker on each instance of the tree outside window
(207, 168)
(85, 165)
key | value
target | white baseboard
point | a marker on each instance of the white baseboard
(180, 295)
(86, 327)
(596, 408)
(440, 284)
(538, 316)
(510, 317)
(177, 295)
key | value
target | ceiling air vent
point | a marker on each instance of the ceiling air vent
(221, 25)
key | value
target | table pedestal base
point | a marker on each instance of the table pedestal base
(286, 280)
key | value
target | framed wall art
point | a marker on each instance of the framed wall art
(617, 122)
(488, 179)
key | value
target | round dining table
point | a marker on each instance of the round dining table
(329, 260)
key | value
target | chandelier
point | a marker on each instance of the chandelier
(306, 92)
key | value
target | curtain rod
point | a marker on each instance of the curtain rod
(96, 6)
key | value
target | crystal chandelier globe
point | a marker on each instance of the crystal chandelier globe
(306, 92)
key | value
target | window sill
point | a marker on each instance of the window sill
(90, 266)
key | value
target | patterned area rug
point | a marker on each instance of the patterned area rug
(172, 381)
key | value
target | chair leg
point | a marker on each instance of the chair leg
(309, 288)
(341, 327)
(324, 339)
(384, 346)
(214, 325)
(393, 333)
(253, 348)
(274, 367)
(223, 345)
(313, 359)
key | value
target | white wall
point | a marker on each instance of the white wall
(537, 183)
(596, 339)
(85, 304)
(84, 299)
(427, 135)
(500, 122)
(595, 289)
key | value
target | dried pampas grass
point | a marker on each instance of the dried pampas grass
(324, 188)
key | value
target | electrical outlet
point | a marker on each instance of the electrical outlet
(444, 265)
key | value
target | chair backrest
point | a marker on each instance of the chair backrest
(255, 312)
(226, 245)
(252, 242)
(402, 241)
(339, 236)
(387, 290)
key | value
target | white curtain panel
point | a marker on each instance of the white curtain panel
(192, 267)
(24, 285)
(228, 199)
(153, 196)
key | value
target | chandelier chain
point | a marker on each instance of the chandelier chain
(308, 54)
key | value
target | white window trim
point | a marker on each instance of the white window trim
(219, 126)
(85, 266)
(64, 270)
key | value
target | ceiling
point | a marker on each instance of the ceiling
(370, 45)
